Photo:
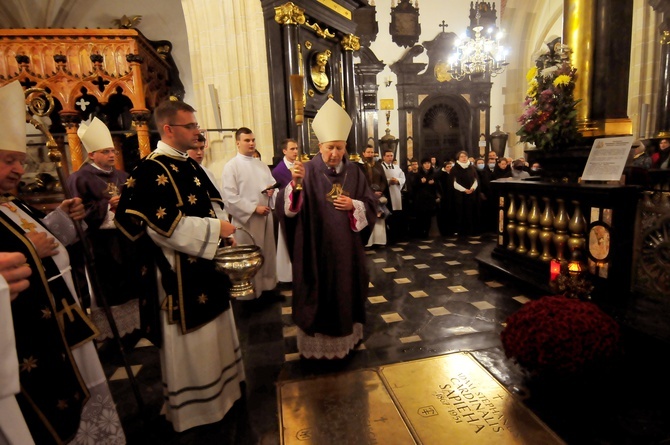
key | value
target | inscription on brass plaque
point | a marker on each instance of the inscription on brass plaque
(450, 399)
(453, 399)
(348, 408)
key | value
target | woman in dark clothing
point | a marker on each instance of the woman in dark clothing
(425, 197)
(502, 170)
(466, 196)
(488, 201)
(445, 217)
(661, 159)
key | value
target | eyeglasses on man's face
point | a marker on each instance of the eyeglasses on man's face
(192, 126)
(108, 151)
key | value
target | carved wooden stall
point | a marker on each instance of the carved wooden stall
(115, 74)
(315, 40)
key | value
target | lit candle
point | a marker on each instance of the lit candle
(574, 268)
(554, 269)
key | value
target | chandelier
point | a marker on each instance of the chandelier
(478, 56)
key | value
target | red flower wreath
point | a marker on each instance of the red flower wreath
(555, 335)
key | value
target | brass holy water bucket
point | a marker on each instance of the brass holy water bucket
(240, 263)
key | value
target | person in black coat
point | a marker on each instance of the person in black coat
(445, 216)
(502, 170)
(466, 195)
(487, 197)
(425, 193)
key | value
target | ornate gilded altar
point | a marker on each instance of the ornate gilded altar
(315, 40)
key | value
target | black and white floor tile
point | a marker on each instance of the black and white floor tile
(426, 298)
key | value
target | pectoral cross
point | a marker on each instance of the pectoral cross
(335, 192)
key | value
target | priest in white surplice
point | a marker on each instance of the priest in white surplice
(395, 222)
(249, 198)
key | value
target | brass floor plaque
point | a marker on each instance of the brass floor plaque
(349, 408)
(453, 400)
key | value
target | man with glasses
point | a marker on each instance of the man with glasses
(171, 207)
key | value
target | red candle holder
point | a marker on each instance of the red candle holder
(554, 269)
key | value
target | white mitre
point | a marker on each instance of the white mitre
(331, 123)
(95, 136)
(13, 122)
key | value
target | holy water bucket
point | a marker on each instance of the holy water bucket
(240, 263)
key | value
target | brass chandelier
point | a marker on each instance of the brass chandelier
(479, 56)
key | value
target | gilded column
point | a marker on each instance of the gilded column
(77, 152)
(547, 233)
(291, 17)
(663, 108)
(140, 122)
(511, 225)
(578, 27)
(577, 228)
(521, 227)
(533, 227)
(561, 220)
(351, 43)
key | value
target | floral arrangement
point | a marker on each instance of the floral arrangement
(559, 336)
(549, 120)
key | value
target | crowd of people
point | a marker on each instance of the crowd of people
(648, 156)
(155, 232)
(451, 197)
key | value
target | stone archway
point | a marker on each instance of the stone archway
(440, 132)
(444, 125)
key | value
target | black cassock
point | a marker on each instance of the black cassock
(330, 277)
(466, 206)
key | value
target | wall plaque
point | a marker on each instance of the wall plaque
(405, 28)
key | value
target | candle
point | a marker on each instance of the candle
(574, 268)
(554, 269)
